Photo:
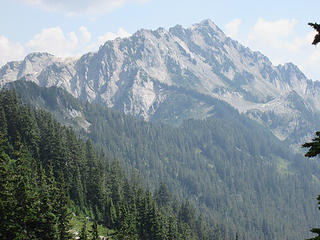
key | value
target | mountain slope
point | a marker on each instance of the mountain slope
(233, 169)
(47, 171)
(159, 75)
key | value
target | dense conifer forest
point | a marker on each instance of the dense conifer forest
(49, 174)
(235, 174)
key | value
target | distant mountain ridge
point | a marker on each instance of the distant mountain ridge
(172, 75)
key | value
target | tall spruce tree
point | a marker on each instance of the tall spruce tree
(8, 226)
(47, 228)
(63, 212)
(94, 231)
(313, 151)
(84, 232)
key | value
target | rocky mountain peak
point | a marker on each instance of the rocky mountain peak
(208, 24)
(208, 27)
(290, 68)
(38, 55)
(175, 74)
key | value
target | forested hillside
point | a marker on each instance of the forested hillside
(232, 169)
(229, 166)
(48, 174)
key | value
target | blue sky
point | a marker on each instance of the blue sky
(72, 27)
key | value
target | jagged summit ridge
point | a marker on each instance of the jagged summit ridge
(172, 74)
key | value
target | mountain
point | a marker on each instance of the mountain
(173, 75)
(233, 169)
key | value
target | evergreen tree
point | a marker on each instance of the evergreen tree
(84, 233)
(316, 230)
(62, 212)
(173, 233)
(24, 192)
(8, 226)
(316, 27)
(186, 214)
(110, 215)
(314, 150)
(162, 196)
(314, 146)
(47, 228)
(126, 225)
(3, 124)
(94, 231)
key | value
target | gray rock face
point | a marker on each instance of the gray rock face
(170, 75)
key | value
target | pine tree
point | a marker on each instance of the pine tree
(47, 228)
(75, 161)
(3, 124)
(62, 212)
(126, 225)
(173, 233)
(186, 214)
(7, 201)
(84, 233)
(94, 178)
(314, 150)
(162, 196)
(24, 192)
(110, 216)
(316, 230)
(94, 231)
(314, 146)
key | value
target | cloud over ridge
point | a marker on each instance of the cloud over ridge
(57, 42)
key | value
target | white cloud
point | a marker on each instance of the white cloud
(111, 36)
(10, 51)
(75, 7)
(271, 33)
(85, 35)
(311, 62)
(55, 41)
(94, 46)
(280, 41)
(232, 28)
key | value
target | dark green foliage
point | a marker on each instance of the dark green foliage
(45, 171)
(62, 211)
(316, 230)
(84, 233)
(236, 173)
(46, 212)
(163, 195)
(314, 146)
(94, 231)
(317, 36)
(314, 150)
